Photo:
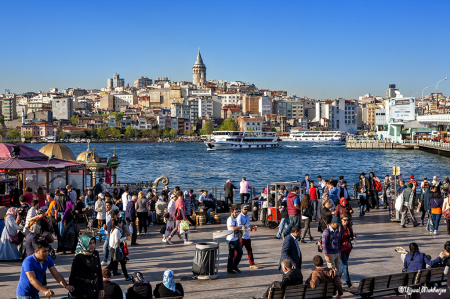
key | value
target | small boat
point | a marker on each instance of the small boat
(315, 136)
(51, 139)
(33, 140)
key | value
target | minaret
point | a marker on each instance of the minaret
(199, 71)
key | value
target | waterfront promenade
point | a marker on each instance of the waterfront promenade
(373, 255)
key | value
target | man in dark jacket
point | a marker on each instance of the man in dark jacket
(229, 192)
(291, 250)
(112, 290)
(130, 218)
(428, 195)
(363, 183)
(305, 185)
(14, 195)
(290, 277)
(98, 187)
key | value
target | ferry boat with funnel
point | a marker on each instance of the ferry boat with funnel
(316, 136)
(237, 140)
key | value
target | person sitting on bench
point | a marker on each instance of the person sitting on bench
(324, 275)
(291, 276)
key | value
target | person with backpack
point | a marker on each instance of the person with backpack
(436, 210)
(307, 213)
(343, 192)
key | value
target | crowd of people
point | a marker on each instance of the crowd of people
(34, 219)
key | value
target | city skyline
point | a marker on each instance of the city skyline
(325, 50)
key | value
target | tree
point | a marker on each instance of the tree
(105, 115)
(78, 134)
(173, 132)
(118, 115)
(114, 132)
(154, 133)
(274, 130)
(14, 134)
(74, 119)
(146, 133)
(102, 133)
(2, 120)
(228, 125)
(27, 134)
(62, 135)
(207, 128)
(129, 131)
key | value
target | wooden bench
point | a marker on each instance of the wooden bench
(303, 291)
(383, 285)
(429, 277)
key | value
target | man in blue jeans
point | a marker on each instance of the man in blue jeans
(293, 207)
(209, 205)
(233, 243)
(107, 227)
(33, 271)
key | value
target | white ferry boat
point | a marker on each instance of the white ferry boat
(235, 140)
(316, 136)
(51, 139)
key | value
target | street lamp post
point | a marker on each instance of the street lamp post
(437, 102)
(424, 89)
(414, 94)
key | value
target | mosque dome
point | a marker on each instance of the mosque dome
(58, 150)
(83, 157)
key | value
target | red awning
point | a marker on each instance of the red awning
(19, 164)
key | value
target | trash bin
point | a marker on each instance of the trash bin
(255, 209)
(204, 266)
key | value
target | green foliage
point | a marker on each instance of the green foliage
(78, 134)
(129, 132)
(146, 133)
(105, 115)
(154, 133)
(14, 134)
(102, 133)
(207, 129)
(27, 134)
(2, 120)
(97, 114)
(173, 132)
(166, 132)
(228, 125)
(118, 115)
(274, 130)
(114, 132)
(74, 119)
(62, 135)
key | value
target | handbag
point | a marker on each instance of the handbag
(12, 239)
(124, 249)
(399, 203)
(76, 228)
(420, 207)
(49, 238)
(116, 254)
(446, 213)
(406, 269)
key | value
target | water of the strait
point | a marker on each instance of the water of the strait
(190, 165)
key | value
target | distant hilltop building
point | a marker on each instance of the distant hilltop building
(116, 81)
(199, 71)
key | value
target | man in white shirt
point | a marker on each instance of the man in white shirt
(72, 194)
(321, 182)
(233, 243)
(125, 198)
(244, 220)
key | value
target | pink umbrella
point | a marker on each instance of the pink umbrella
(19, 164)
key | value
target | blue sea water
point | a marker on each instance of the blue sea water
(190, 165)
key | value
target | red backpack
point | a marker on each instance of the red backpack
(377, 185)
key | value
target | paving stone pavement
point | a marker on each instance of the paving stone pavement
(372, 255)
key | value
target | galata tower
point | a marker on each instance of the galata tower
(199, 71)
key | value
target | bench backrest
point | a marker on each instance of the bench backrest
(275, 293)
(436, 275)
(303, 291)
(383, 283)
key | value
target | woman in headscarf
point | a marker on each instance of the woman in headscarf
(168, 288)
(140, 288)
(42, 221)
(8, 250)
(68, 239)
(343, 207)
(86, 272)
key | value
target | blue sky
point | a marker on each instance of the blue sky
(319, 49)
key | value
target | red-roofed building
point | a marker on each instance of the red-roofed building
(231, 111)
